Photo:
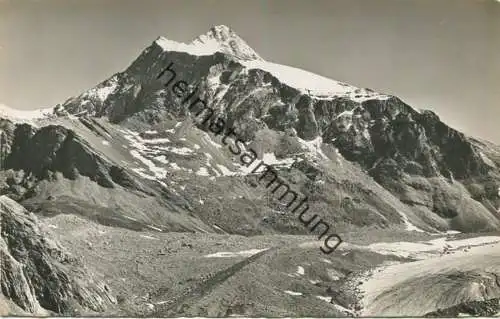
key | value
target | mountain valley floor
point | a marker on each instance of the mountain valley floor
(175, 274)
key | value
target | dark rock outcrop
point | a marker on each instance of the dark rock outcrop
(55, 148)
(37, 273)
(479, 308)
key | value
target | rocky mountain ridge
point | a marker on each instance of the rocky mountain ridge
(395, 144)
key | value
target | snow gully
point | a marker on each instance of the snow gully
(218, 126)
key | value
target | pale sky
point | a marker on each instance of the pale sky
(442, 55)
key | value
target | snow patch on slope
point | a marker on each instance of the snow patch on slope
(300, 270)
(243, 253)
(226, 171)
(487, 160)
(270, 159)
(150, 150)
(101, 92)
(409, 225)
(313, 148)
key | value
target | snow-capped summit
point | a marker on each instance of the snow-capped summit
(228, 41)
(223, 39)
(218, 39)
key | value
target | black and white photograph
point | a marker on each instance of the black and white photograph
(250, 158)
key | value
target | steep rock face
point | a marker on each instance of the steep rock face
(55, 148)
(37, 273)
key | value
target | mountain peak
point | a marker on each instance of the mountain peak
(219, 38)
(220, 32)
(228, 41)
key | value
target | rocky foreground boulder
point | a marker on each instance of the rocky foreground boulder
(38, 275)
